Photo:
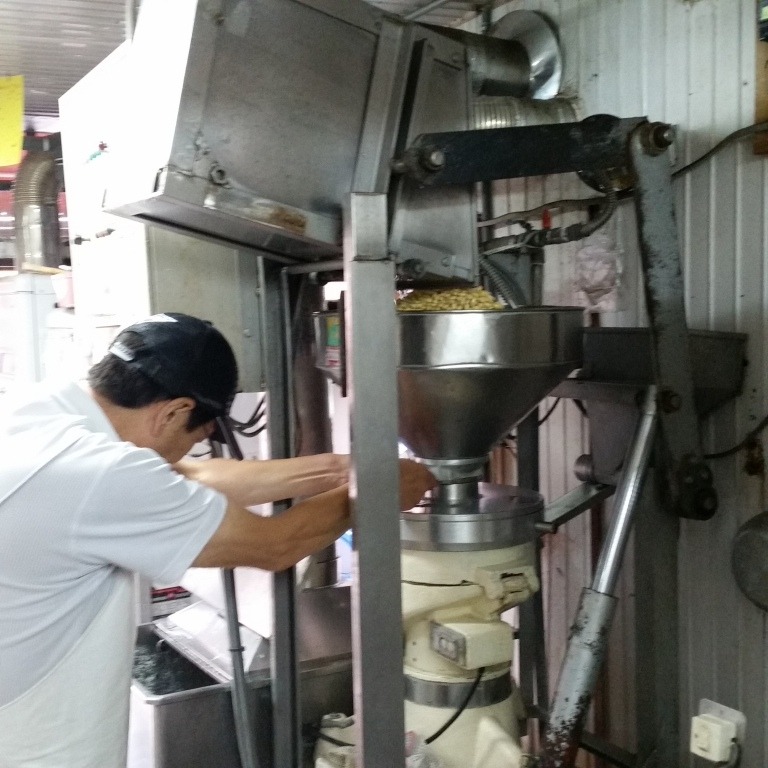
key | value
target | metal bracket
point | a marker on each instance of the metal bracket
(596, 143)
(690, 492)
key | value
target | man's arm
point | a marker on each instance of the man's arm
(278, 542)
(247, 483)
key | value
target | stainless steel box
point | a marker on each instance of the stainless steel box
(182, 718)
(251, 122)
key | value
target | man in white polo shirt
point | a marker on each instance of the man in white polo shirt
(93, 490)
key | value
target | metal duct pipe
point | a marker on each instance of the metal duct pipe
(519, 57)
(36, 211)
(506, 112)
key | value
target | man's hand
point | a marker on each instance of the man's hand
(415, 481)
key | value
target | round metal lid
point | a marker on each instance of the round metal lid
(501, 516)
(749, 559)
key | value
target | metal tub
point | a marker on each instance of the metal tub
(182, 718)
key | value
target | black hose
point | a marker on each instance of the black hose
(241, 706)
(455, 716)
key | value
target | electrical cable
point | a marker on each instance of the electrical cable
(258, 413)
(734, 761)
(512, 436)
(569, 204)
(586, 202)
(741, 133)
(455, 716)
(541, 238)
(335, 742)
(241, 703)
(751, 435)
(251, 433)
(549, 412)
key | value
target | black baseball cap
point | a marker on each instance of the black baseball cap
(184, 355)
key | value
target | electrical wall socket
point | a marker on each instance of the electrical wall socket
(714, 730)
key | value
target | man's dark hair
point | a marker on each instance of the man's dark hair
(128, 387)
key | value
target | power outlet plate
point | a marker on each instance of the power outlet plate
(707, 707)
(714, 730)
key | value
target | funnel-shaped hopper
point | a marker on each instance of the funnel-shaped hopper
(465, 378)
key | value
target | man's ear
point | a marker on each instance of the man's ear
(170, 413)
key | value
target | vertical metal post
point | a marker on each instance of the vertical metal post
(534, 683)
(286, 706)
(657, 644)
(534, 677)
(371, 369)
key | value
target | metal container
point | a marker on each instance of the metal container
(182, 718)
(465, 378)
(252, 122)
(248, 119)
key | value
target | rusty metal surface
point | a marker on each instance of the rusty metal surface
(581, 666)
(690, 491)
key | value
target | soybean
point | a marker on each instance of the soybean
(448, 300)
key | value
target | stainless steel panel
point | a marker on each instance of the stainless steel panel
(376, 604)
(286, 103)
(259, 122)
(251, 122)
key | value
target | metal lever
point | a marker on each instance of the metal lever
(589, 633)
(689, 480)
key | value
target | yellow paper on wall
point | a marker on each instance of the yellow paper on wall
(11, 119)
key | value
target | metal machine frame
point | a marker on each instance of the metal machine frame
(404, 180)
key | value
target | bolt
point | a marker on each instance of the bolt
(217, 174)
(412, 268)
(657, 137)
(432, 159)
(669, 401)
(398, 166)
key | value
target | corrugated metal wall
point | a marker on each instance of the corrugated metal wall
(692, 64)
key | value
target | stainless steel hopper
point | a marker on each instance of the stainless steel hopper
(466, 377)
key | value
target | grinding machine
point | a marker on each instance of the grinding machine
(328, 138)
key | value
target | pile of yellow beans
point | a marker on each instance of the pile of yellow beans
(447, 300)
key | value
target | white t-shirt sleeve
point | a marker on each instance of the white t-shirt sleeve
(143, 516)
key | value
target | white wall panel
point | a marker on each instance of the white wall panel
(691, 64)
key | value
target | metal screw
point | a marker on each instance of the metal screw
(432, 159)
